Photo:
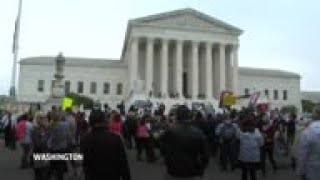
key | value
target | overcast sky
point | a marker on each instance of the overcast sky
(278, 34)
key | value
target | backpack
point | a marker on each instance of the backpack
(228, 132)
(21, 130)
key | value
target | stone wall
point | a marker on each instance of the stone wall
(30, 74)
(260, 83)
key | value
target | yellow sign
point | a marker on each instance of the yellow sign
(66, 103)
(229, 100)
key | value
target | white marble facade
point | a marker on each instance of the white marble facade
(184, 68)
(183, 52)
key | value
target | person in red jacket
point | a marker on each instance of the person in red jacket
(144, 142)
(115, 125)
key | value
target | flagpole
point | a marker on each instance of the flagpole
(15, 52)
(13, 77)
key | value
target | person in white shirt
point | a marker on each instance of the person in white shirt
(308, 152)
(251, 141)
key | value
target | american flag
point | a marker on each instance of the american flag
(254, 98)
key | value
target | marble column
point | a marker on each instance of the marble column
(222, 68)
(164, 67)
(149, 65)
(208, 70)
(228, 66)
(179, 68)
(216, 71)
(195, 69)
(235, 70)
(134, 62)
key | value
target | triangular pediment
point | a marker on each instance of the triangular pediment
(187, 19)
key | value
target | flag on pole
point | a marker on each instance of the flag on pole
(254, 99)
(17, 30)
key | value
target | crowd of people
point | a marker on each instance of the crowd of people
(185, 140)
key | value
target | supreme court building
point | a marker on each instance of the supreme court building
(182, 55)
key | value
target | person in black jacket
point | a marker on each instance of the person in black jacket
(184, 148)
(39, 136)
(130, 128)
(104, 155)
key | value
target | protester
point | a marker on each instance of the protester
(309, 149)
(104, 152)
(291, 128)
(302, 125)
(121, 108)
(59, 142)
(53, 111)
(291, 132)
(130, 127)
(96, 109)
(251, 141)
(144, 141)
(40, 136)
(227, 132)
(70, 119)
(23, 135)
(202, 123)
(6, 121)
(213, 142)
(115, 125)
(268, 129)
(82, 127)
(246, 139)
(107, 111)
(184, 148)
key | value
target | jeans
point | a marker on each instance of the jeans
(58, 168)
(130, 140)
(227, 155)
(41, 173)
(267, 151)
(248, 167)
(9, 138)
(25, 158)
(144, 144)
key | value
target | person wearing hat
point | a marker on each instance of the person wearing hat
(184, 148)
(308, 152)
(104, 155)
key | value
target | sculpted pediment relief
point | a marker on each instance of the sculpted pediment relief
(187, 21)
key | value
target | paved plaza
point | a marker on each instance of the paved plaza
(9, 169)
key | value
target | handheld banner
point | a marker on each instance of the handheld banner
(66, 103)
(229, 100)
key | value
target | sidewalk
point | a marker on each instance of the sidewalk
(9, 169)
(9, 165)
